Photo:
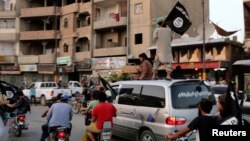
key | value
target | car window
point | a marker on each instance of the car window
(219, 90)
(76, 85)
(146, 95)
(129, 94)
(153, 96)
(188, 95)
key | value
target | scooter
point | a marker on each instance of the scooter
(60, 134)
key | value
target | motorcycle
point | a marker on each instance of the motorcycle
(106, 133)
(18, 123)
(60, 134)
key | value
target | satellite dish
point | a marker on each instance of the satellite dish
(69, 63)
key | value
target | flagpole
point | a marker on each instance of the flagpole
(203, 47)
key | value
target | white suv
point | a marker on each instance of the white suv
(149, 109)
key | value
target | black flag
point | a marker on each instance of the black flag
(107, 86)
(178, 19)
(232, 107)
(12, 92)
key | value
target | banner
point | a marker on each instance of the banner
(178, 19)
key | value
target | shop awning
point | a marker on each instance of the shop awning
(242, 62)
(199, 65)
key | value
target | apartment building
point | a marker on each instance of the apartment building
(9, 41)
(66, 39)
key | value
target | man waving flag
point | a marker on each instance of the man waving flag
(178, 19)
(232, 107)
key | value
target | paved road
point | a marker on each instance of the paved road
(35, 121)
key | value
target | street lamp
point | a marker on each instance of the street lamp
(203, 47)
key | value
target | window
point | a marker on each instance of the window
(129, 94)
(138, 8)
(138, 38)
(188, 95)
(65, 48)
(137, 95)
(153, 96)
(66, 22)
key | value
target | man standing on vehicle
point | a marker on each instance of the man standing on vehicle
(60, 114)
(102, 112)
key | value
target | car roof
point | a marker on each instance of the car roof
(156, 82)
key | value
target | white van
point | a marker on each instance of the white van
(149, 109)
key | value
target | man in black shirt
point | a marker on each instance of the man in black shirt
(202, 124)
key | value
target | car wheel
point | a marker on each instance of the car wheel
(43, 101)
(147, 136)
(75, 108)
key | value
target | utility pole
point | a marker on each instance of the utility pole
(204, 44)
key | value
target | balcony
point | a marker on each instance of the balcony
(79, 56)
(28, 59)
(8, 59)
(70, 8)
(47, 59)
(84, 31)
(39, 35)
(107, 23)
(7, 14)
(83, 7)
(8, 37)
(111, 51)
(39, 11)
(105, 3)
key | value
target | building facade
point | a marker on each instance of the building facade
(68, 39)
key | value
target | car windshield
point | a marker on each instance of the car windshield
(188, 94)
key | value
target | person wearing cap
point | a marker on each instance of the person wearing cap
(45, 131)
(163, 36)
(146, 67)
(60, 114)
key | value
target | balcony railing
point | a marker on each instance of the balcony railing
(47, 59)
(7, 14)
(39, 11)
(85, 7)
(28, 59)
(110, 23)
(111, 51)
(79, 56)
(8, 59)
(70, 8)
(8, 36)
(39, 35)
(84, 31)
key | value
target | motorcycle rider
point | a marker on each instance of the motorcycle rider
(93, 102)
(60, 114)
(21, 106)
(45, 131)
(102, 112)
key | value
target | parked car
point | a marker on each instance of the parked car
(148, 109)
(47, 90)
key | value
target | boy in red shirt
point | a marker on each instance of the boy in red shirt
(102, 112)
